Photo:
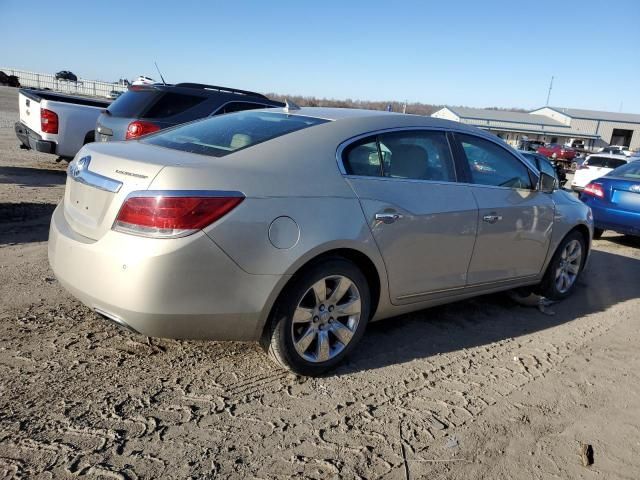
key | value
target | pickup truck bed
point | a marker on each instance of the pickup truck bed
(56, 123)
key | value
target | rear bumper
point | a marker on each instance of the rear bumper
(177, 288)
(32, 141)
(621, 221)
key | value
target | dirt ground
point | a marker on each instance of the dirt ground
(486, 388)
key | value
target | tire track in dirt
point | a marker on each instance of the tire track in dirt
(101, 401)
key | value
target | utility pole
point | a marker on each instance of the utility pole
(549, 92)
(404, 108)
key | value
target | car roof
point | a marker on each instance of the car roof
(610, 155)
(353, 114)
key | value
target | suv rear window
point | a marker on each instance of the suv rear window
(605, 162)
(132, 103)
(152, 104)
(221, 135)
(171, 104)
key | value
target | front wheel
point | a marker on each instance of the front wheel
(319, 318)
(565, 267)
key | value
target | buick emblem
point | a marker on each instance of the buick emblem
(635, 188)
(77, 167)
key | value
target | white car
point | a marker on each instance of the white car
(617, 149)
(142, 80)
(596, 166)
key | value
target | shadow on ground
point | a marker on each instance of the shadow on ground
(32, 177)
(609, 279)
(25, 222)
(622, 240)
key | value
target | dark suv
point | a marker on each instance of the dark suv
(144, 109)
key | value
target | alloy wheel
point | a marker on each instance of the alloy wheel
(569, 266)
(326, 318)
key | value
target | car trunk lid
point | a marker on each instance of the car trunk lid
(101, 177)
(624, 194)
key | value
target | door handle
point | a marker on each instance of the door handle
(388, 217)
(493, 218)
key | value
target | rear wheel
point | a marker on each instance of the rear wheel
(597, 233)
(319, 318)
(565, 267)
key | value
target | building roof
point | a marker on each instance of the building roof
(505, 116)
(596, 114)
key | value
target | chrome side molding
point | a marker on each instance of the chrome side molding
(79, 171)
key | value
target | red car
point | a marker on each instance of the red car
(555, 150)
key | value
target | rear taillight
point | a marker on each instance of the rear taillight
(594, 189)
(166, 216)
(138, 128)
(48, 121)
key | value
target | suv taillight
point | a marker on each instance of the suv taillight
(48, 121)
(138, 128)
(594, 189)
(166, 216)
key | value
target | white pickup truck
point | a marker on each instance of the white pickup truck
(56, 123)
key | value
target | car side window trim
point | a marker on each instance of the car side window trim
(375, 134)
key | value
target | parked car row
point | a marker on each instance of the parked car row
(596, 166)
(61, 124)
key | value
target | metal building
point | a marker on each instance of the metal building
(553, 125)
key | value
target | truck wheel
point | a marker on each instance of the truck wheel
(319, 318)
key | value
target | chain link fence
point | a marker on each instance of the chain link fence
(92, 88)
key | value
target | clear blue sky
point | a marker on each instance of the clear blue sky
(475, 53)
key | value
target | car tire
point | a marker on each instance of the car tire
(303, 336)
(597, 233)
(565, 265)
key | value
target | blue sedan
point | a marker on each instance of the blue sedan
(615, 200)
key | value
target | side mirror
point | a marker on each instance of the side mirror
(547, 183)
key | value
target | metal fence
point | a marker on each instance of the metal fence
(81, 87)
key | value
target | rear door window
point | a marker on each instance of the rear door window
(417, 155)
(172, 103)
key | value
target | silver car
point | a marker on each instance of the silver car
(297, 227)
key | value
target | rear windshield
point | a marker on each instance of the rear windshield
(132, 103)
(221, 135)
(630, 170)
(171, 104)
(605, 162)
(152, 104)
